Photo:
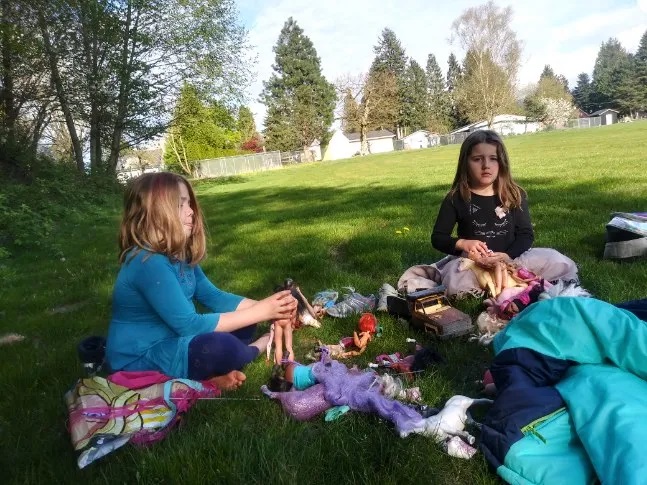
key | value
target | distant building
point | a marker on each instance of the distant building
(346, 145)
(607, 116)
(503, 125)
(420, 139)
(136, 162)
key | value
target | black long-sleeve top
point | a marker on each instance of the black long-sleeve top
(478, 219)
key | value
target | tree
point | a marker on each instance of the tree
(491, 62)
(201, 130)
(415, 106)
(300, 101)
(583, 93)
(612, 67)
(439, 104)
(369, 101)
(549, 103)
(640, 72)
(118, 66)
(479, 100)
(246, 124)
(350, 107)
(390, 57)
(547, 73)
(454, 77)
(26, 97)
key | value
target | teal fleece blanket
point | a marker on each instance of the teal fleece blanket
(601, 430)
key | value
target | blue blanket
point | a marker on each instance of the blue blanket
(572, 402)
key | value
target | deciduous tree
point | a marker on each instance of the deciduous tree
(118, 66)
(369, 102)
(491, 62)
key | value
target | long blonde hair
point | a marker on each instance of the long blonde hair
(506, 188)
(151, 219)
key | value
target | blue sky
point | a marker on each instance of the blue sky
(566, 34)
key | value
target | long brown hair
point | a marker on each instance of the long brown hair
(151, 219)
(505, 187)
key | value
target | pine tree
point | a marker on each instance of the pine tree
(640, 72)
(454, 73)
(389, 55)
(415, 97)
(350, 115)
(439, 106)
(583, 93)
(299, 100)
(612, 66)
(390, 58)
(245, 123)
(454, 76)
(547, 72)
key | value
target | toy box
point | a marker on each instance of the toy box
(431, 312)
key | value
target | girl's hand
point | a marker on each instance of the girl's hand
(473, 247)
(279, 306)
(492, 259)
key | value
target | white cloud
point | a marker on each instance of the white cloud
(565, 34)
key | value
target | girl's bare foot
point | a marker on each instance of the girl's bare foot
(261, 343)
(230, 381)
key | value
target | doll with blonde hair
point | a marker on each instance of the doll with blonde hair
(155, 324)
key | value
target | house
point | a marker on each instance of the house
(315, 150)
(420, 139)
(136, 162)
(581, 113)
(607, 116)
(346, 145)
(503, 125)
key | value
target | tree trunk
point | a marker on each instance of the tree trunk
(127, 53)
(7, 92)
(61, 94)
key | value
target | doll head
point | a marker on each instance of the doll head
(155, 216)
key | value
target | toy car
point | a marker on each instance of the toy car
(431, 312)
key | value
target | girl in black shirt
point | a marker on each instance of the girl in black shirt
(490, 213)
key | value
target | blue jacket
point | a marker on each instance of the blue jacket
(153, 314)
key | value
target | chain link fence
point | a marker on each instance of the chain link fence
(585, 122)
(228, 166)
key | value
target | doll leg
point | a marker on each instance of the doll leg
(287, 333)
(278, 342)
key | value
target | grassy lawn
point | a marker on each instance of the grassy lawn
(327, 225)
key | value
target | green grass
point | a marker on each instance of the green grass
(327, 225)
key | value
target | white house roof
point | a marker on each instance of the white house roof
(371, 135)
(600, 112)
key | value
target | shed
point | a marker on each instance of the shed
(607, 116)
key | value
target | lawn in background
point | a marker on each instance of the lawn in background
(326, 225)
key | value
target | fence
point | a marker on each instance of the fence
(228, 166)
(585, 122)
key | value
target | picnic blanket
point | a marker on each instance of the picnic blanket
(136, 407)
(572, 401)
